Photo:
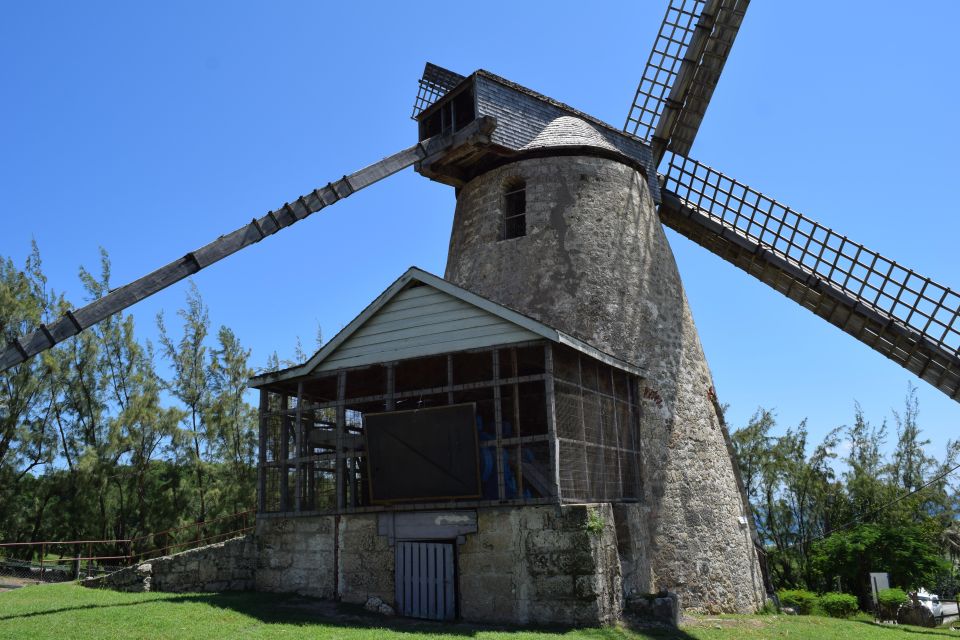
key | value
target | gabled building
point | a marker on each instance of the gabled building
(451, 456)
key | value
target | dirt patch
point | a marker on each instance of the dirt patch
(10, 582)
(724, 623)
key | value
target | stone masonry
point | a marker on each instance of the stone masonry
(524, 564)
(225, 566)
(542, 565)
(366, 561)
(296, 555)
(537, 564)
(595, 263)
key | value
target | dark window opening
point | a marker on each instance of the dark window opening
(451, 115)
(422, 373)
(515, 210)
(463, 111)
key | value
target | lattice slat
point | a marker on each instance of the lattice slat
(904, 315)
(434, 84)
(663, 65)
(683, 70)
(707, 75)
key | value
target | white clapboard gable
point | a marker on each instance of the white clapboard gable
(421, 315)
(422, 321)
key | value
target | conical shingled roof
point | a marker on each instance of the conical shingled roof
(568, 131)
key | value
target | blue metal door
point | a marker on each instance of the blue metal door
(425, 585)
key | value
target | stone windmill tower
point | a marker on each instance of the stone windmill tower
(594, 261)
(557, 218)
(560, 282)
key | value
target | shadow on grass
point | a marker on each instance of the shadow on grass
(269, 608)
(904, 628)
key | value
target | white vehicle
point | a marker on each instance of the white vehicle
(932, 602)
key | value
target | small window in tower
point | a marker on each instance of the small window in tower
(515, 209)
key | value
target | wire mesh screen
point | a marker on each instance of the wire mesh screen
(34, 563)
(878, 283)
(663, 65)
(597, 424)
(314, 455)
(433, 85)
(271, 489)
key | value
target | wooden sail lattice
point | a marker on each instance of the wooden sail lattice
(905, 316)
(433, 85)
(663, 66)
(682, 132)
(682, 71)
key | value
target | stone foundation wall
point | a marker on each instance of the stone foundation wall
(366, 561)
(225, 566)
(569, 564)
(542, 565)
(631, 528)
(296, 555)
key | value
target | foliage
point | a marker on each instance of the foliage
(595, 523)
(947, 584)
(905, 551)
(95, 444)
(889, 600)
(802, 601)
(839, 605)
(827, 520)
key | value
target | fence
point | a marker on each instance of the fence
(61, 561)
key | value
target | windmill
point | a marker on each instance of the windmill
(908, 318)
(922, 334)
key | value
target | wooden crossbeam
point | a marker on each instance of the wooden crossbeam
(75, 321)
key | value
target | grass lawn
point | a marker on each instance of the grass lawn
(66, 611)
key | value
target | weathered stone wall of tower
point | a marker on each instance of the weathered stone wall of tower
(595, 262)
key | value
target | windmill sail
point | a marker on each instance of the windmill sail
(433, 85)
(682, 71)
(905, 316)
(119, 299)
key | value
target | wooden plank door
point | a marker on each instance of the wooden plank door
(425, 576)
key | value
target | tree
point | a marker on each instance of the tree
(27, 438)
(191, 385)
(906, 551)
(232, 421)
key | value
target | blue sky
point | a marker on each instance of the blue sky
(150, 129)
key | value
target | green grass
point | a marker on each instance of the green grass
(67, 611)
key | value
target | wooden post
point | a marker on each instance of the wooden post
(43, 552)
(449, 378)
(391, 386)
(616, 432)
(552, 424)
(262, 454)
(284, 454)
(515, 389)
(341, 426)
(299, 430)
(583, 432)
(498, 422)
(636, 432)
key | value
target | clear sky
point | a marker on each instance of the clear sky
(152, 128)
